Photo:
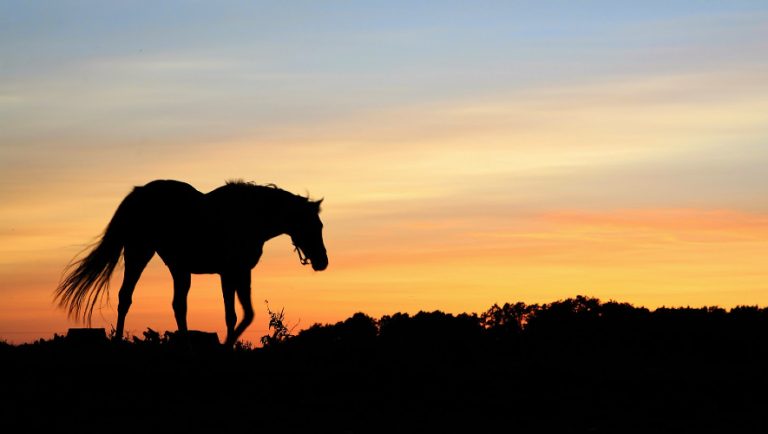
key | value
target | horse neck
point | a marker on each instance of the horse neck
(275, 220)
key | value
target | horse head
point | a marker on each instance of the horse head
(306, 232)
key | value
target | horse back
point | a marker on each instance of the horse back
(164, 208)
(169, 188)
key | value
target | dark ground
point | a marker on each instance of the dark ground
(572, 366)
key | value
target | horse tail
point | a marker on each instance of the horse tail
(86, 281)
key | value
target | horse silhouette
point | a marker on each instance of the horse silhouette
(221, 232)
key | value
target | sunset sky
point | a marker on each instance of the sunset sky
(469, 153)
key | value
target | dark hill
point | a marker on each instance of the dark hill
(576, 365)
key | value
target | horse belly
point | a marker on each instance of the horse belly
(191, 261)
(209, 259)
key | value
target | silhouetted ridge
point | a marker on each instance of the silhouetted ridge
(571, 322)
(576, 365)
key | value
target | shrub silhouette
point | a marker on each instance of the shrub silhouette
(280, 332)
(152, 338)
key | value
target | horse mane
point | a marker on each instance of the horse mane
(272, 191)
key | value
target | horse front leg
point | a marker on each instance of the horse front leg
(228, 286)
(243, 291)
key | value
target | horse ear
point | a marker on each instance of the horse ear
(316, 205)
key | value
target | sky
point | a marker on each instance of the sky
(469, 153)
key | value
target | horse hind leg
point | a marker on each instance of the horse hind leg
(181, 283)
(136, 259)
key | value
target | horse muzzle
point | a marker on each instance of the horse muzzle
(319, 264)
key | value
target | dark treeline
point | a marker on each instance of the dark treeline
(577, 323)
(577, 365)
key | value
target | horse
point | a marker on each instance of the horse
(221, 232)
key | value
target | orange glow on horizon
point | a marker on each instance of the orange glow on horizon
(649, 257)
